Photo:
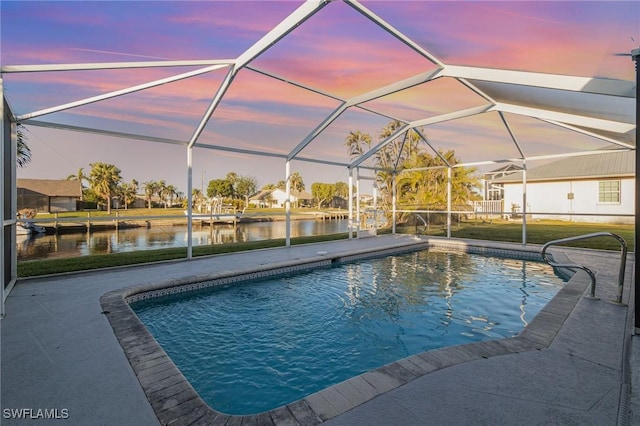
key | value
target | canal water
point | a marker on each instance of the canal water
(165, 236)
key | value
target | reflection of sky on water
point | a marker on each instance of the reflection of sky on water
(156, 237)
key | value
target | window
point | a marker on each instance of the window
(609, 191)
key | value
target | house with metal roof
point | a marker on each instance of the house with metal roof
(586, 188)
(48, 195)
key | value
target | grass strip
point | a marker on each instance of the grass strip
(32, 268)
(537, 233)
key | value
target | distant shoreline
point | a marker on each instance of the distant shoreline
(122, 222)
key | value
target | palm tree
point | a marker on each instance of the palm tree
(105, 179)
(150, 188)
(169, 192)
(23, 154)
(128, 192)
(297, 185)
(391, 158)
(81, 177)
(356, 142)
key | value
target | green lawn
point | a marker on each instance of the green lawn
(537, 233)
(31, 268)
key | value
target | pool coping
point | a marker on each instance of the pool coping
(175, 401)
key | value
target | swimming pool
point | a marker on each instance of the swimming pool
(252, 347)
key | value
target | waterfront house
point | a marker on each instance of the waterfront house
(277, 197)
(48, 195)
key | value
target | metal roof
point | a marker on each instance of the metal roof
(607, 165)
(51, 187)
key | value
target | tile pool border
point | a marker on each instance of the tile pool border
(174, 400)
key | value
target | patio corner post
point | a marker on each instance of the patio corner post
(3, 198)
(189, 202)
(358, 213)
(287, 203)
(449, 202)
(635, 55)
(393, 203)
(8, 199)
(524, 202)
(350, 223)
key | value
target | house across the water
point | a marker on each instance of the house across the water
(48, 195)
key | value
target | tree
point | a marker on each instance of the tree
(128, 192)
(150, 188)
(167, 193)
(23, 154)
(246, 186)
(342, 190)
(297, 185)
(233, 179)
(161, 190)
(81, 177)
(356, 143)
(105, 179)
(269, 199)
(219, 188)
(391, 158)
(427, 186)
(322, 192)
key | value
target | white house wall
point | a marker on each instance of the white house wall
(552, 198)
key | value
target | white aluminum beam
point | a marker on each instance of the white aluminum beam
(294, 83)
(111, 65)
(513, 136)
(217, 98)
(395, 87)
(592, 134)
(600, 86)
(240, 150)
(451, 116)
(117, 93)
(327, 162)
(571, 119)
(394, 32)
(319, 128)
(435, 151)
(111, 133)
(297, 17)
(379, 146)
(133, 136)
(319, 91)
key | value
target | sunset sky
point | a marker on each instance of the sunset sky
(337, 50)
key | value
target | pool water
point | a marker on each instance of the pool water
(250, 347)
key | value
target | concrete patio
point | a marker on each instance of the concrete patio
(576, 363)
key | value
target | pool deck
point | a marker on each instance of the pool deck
(65, 349)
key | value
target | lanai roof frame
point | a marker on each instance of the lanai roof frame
(617, 127)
